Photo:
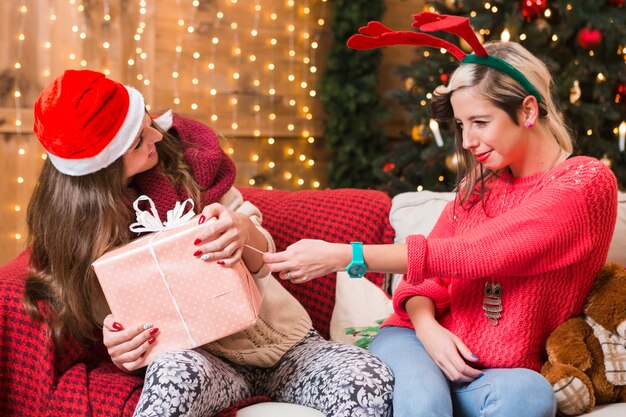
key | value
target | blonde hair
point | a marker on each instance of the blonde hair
(72, 221)
(506, 94)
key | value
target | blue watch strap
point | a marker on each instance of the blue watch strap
(357, 267)
(357, 252)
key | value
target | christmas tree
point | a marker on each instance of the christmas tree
(581, 41)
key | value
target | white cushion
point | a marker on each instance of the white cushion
(271, 409)
(416, 213)
(608, 410)
(359, 305)
(617, 250)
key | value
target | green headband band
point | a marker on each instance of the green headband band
(504, 67)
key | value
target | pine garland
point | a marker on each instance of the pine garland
(348, 91)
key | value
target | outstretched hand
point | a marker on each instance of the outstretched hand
(308, 259)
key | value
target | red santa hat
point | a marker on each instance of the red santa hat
(86, 121)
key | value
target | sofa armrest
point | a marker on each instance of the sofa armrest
(341, 215)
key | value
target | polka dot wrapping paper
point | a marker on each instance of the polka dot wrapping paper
(156, 279)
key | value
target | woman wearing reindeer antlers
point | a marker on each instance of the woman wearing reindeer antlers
(512, 257)
(104, 151)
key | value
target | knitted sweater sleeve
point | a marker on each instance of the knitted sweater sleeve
(560, 224)
(435, 289)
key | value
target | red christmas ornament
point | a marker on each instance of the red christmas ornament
(444, 77)
(389, 166)
(620, 95)
(618, 3)
(532, 9)
(589, 38)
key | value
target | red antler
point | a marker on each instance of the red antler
(375, 34)
(457, 25)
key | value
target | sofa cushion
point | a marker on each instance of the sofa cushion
(273, 409)
(360, 308)
(342, 215)
(617, 250)
(608, 410)
(416, 213)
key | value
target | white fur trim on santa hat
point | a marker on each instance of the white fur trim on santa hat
(120, 143)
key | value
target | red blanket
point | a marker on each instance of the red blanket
(37, 381)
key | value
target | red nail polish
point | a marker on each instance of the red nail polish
(221, 263)
(117, 326)
(153, 331)
(201, 219)
(197, 253)
(151, 340)
(197, 241)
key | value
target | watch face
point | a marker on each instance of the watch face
(356, 270)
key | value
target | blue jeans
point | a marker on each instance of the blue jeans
(421, 388)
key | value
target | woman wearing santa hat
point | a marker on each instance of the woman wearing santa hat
(104, 151)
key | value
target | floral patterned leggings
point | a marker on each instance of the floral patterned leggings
(337, 379)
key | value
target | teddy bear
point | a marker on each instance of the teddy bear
(587, 354)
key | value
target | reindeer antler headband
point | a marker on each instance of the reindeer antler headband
(375, 35)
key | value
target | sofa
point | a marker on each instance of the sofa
(36, 379)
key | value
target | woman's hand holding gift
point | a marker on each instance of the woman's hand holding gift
(127, 347)
(225, 236)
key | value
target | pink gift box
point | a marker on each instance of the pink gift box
(156, 279)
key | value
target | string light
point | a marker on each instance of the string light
(17, 94)
(267, 63)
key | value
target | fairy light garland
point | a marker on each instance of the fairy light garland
(137, 60)
(265, 92)
(195, 57)
(17, 94)
(106, 36)
(47, 44)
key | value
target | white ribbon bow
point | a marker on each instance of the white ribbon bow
(150, 222)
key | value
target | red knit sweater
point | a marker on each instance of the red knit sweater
(543, 238)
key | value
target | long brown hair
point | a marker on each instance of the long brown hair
(506, 94)
(72, 221)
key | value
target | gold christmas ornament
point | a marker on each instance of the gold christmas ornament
(455, 5)
(417, 134)
(452, 162)
(574, 92)
(409, 83)
(542, 24)
(606, 160)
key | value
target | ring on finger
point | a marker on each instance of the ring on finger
(205, 257)
(289, 275)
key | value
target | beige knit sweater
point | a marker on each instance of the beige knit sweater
(282, 320)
